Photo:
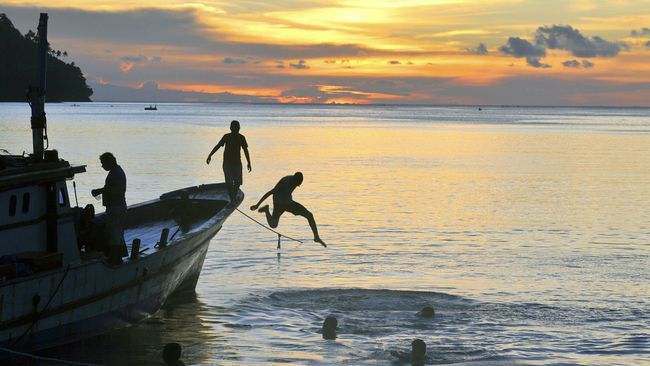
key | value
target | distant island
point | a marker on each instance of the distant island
(65, 82)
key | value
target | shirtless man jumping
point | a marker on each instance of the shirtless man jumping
(282, 201)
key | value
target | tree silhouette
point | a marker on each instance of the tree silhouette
(65, 82)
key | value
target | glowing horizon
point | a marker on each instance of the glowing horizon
(445, 51)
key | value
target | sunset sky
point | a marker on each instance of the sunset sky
(504, 52)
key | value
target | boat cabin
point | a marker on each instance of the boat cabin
(35, 210)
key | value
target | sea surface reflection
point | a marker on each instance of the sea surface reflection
(526, 228)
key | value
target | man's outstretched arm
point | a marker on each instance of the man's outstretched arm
(214, 150)
(265, 196)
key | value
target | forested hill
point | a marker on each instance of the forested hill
(65, 82)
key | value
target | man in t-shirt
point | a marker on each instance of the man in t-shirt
(232, 168)
(283, 201)
(113, 198)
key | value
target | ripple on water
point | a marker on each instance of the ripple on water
(377, 327)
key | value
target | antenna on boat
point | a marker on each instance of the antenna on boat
(36, 95)
(74, 185)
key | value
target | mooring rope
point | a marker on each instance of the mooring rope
(42, 358)
(280, 235)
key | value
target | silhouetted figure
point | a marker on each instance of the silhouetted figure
(171, 354)
(282, 201)
(427, 312)
(418, 352)
(329, 327)
(113, 197)
(89, 235)
(232, 168)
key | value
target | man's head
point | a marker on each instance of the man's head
(427, 312)
(329, 327)
(108, 161)
(297, 178)
(418, 350)
(171, 353)
(234, 126)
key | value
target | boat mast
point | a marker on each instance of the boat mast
(37, 94)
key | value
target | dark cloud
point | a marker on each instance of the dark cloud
(521, 48)
(300, 65)
(230, 60)
(640, 33)
(535, 62)
(394, 62)
(480, 50)
(565, 37)
(574, 64)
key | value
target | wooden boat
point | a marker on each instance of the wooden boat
(151, 108)
(55, 283)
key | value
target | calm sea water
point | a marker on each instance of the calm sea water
(527, 229)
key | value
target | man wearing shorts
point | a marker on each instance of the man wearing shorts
(232, 168)
(282, 201)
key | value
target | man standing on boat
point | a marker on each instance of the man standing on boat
(283, 201)
(232, 167)
(113, 198)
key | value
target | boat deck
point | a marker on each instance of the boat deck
(179, 211)
(149, 234)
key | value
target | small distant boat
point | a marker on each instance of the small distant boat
(151, 108)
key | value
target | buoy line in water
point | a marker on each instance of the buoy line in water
(43, 358)
(280, 235)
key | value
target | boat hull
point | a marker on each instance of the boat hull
(88, 298)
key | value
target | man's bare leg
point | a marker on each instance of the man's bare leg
(272, 218)
(300, 210)
(314, 229)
